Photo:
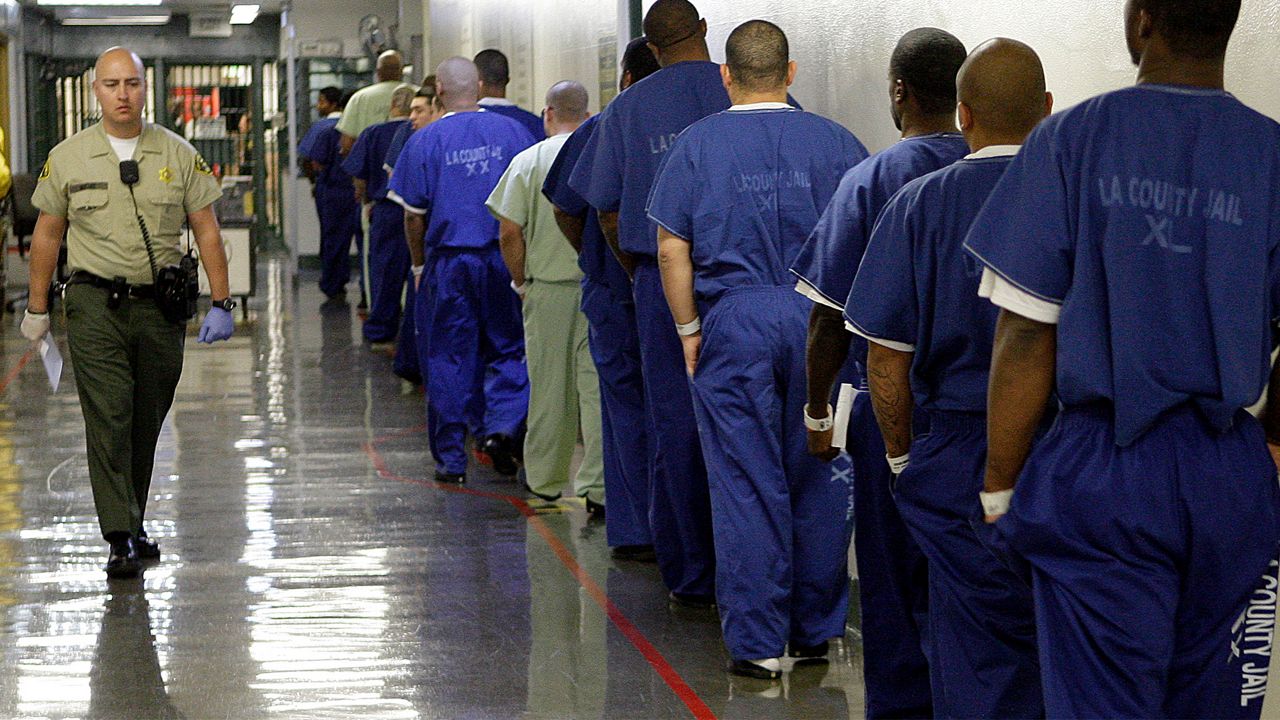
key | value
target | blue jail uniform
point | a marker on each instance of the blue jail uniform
(336, 205)
(530, 121)
(405, 363)
(892, 573)
(745, 188)
(470, 336)
(917, 291)
(615, 175)
(615, 349)
(388, 253)
(1143, 223)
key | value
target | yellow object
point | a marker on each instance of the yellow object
(6, 176)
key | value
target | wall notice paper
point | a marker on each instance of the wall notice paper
(52, 361)
(844, 406)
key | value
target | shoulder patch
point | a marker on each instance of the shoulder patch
(44, 173)
(202, 166)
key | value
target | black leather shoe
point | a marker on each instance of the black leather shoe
(594, 509)
(634, 553)
(693, 601)
(451, 478)
(501, 449)
(811, 654)
(123, 562)
(145, 547)
(755, 670)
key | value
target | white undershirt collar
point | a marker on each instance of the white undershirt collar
(994, 151)
(124, 148)
(495, 101)
(761, 106)
(334, 114)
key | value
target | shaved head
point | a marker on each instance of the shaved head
(401, 99)
(670, 22)
(1002, 82)
(458, 81)
(926, 61)
(390, 66)
(569, 99)
(494, 67)
(757, 54)
(119, 59)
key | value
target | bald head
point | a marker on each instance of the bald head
(568, 98)
(118, 59)
(671, 22)
(1002, 84)
(458, 82)
(390, 66)
(120, 86)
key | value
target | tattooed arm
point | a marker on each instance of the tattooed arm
(1022, 368)
(889, 375)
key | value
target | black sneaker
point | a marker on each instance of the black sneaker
(634, 553)
(594, 509)
(769, 669)
(451, 478)
(145, 547)
(692, 601)
(501, 449)
(811, 654)
(123, 562)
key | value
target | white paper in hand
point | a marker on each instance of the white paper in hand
(844, 407)
(52, 361)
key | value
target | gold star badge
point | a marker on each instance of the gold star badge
(166, 175)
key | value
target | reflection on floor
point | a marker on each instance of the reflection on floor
(310, 571)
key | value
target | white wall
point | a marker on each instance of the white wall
(843, 46)
(329, 20)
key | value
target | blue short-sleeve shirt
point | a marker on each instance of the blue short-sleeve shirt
(323, 145)
(746, 187)
(447, 171)
(1150, 218)
(636, 130)
(917, 289)
(396, 146)
(365, 161)
(531, 122)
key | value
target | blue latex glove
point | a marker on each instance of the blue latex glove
(218, 325)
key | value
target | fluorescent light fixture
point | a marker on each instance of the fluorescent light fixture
(116, 3)
(244, 14)
(118, 20)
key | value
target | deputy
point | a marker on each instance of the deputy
(127, 355)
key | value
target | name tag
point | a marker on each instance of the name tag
(88, 186)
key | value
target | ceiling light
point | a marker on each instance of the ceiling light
(244, 14)
(118, 20)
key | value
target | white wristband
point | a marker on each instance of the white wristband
(522, 289)
(690, 328)
(898, 464)
(417, 270)
(819, 424)
(996, 503)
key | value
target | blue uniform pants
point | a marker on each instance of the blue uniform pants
(471, 345)
(982, 624)
(680, 509)
(781, 518)
(893, 583)
(388, 268)
(405, 364)
(339, 216)
(1153, 565)
(615, 348)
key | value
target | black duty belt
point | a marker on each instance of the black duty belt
(141, 292)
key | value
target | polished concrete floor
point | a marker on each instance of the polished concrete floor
(310, 569)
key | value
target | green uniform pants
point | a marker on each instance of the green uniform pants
(127, 363)
(564, 391)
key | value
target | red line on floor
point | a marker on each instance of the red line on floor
(633, 634)
(22, 362)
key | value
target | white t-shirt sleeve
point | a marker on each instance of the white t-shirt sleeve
(1006, 295)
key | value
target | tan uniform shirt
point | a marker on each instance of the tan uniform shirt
(81, 183)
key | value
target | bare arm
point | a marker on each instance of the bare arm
(889, 375)
(415, 233)
(825, 354)
(609, 228)
(345, 144)
(511, 243)
(572, 226)
(204, 225)
(1022, 368)
(46, 242)
(362, 190)
(675, 263)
